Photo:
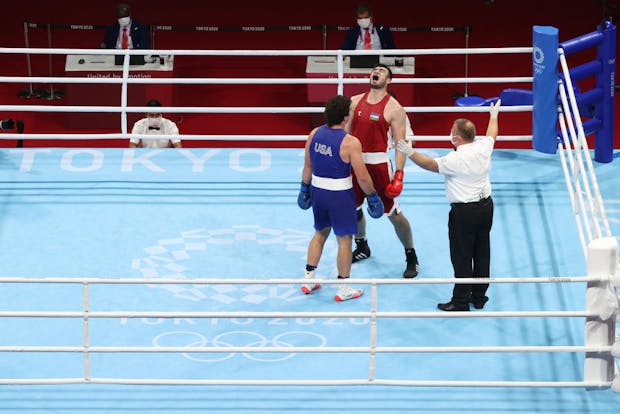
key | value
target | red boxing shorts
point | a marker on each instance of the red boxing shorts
(381, 175)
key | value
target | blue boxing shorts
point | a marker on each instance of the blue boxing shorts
(335, 209)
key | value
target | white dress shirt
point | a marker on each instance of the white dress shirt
(119, 39)
(375, 42)
(467, 171)
(167, 127)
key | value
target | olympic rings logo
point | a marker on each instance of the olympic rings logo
(239, 338)
(538, 55)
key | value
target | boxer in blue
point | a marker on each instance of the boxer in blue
(327, 187)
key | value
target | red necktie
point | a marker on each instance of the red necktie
(125, 40)
(367, 39)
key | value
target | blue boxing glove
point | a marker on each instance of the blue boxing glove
(375, 205)
(303, 199)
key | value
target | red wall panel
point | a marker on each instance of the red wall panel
(496, 24)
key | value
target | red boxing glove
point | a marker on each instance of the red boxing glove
(394, 188)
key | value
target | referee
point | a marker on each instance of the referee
(468, 190)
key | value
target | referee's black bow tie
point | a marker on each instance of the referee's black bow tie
(157, 128)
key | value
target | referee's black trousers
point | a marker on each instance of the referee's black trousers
(469, 225)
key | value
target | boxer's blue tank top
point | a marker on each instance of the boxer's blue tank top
(325, 153)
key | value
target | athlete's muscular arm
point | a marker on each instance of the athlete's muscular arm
(304, 200)
(306, 173)
(351, 151)
(354, 101)
(396, 117)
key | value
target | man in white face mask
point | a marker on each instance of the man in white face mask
(366, 34)
(126, 33)
(468, 190)
(156, 125)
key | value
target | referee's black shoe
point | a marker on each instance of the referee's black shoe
(362, 251)
(453, 307)
(479, 303)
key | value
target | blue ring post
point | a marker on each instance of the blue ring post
(604, 111)
(545, 89)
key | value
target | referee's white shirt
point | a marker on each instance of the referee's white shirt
(167, 127)
(467, 171)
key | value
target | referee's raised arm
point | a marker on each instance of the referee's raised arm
(493, 128)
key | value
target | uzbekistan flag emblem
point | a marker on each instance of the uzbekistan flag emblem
(374, 116)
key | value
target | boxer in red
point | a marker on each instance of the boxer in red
(371, 115)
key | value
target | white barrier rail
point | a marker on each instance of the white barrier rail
(124, 80)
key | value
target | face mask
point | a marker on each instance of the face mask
(364, 23)
(155, 122)
(124, 21)
(453, 141)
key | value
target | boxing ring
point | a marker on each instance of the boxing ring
(169, 280)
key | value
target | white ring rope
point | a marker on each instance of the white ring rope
(78, 137)
(124, 80)
(378, 382)
(266, 314)
(220, 281)
(255, 81)
(310, 52)
(598, 206)
(574, 189)
(312, 349)
(242, 109)
(582, 184)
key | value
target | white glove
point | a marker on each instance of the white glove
(494, 108)
(404, 147)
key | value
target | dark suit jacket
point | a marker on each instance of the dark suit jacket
(385, 36)
(139, 35)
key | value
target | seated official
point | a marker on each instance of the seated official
(154, 124)
(126, 33)
(367, 35)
